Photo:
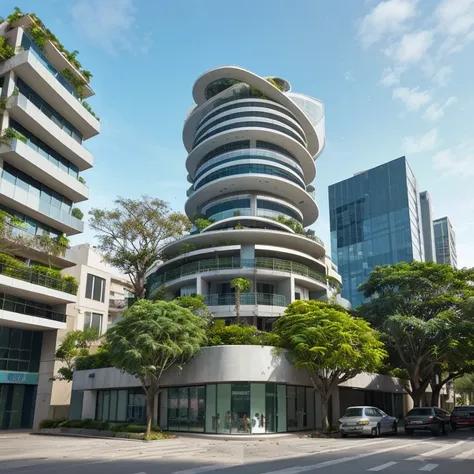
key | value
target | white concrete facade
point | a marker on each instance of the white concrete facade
(40, 185)
(252, 147)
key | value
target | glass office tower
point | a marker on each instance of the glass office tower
(445, 242)
(375, 220)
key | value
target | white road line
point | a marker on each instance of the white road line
(298, 469)
(383, 466)
(464, 455)
(213, 467)
(435, 451)
(428, 467)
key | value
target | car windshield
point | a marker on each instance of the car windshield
(468, 409)
(420, 412)
(351, 412)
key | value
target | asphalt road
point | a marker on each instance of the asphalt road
(25, 454)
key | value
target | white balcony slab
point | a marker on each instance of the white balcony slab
(25, 321)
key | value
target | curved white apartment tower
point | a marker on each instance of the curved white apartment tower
(252, 147)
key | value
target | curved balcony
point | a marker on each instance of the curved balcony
(228, 299)
(212, 264)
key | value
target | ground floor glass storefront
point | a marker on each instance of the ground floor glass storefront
(17, 405)
(238, 408)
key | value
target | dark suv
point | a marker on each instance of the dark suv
(431, 419)
(462, 417)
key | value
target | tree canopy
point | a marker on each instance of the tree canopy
(240, 285)
(219, 334)
(424, 310)
(150, 339)
(132, 235)
(329, 343)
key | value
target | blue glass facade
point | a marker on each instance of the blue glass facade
(374, 220)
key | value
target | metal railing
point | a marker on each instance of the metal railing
(229, 263)
(32, 276)
(228, 299)
(31, 310)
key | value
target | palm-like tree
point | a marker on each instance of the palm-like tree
(241, 285)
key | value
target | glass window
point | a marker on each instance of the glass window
(93, 320)
(183, 408)
(122, 405)
(224, 408)
(240, 408)
(173, 414)
(353, 412)
(106, 406)
(281, 408)
(113, 405)
(95, 288)
(213, 419)
(257, 411)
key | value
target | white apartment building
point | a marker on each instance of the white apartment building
(44, 123)
(252, 148)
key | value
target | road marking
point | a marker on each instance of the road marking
(435, 451)
(298, 469)
(383, 466)
(428, 467)
(464, 455)
(213, 467)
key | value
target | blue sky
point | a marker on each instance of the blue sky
(395, 77)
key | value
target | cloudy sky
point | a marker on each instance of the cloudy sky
(396, 77)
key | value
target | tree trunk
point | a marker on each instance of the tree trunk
(436, 390)
(150, 409)
(237, 305)
(324, 412)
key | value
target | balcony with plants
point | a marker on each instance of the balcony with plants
(43, 45)
(36, 274)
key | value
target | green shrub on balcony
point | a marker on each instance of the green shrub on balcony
(218, 334)
(77, 213)
(6, 51)
(15, 268)
(8, 135)
(81, 180)
(89, 109)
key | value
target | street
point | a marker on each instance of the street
(24, 453)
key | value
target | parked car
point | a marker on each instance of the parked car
(370, 421)
(462, 417)
(431, 419)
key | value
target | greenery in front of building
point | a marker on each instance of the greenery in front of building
(131, 236)
(276, 84)
(329, 344)
(240, 285)
(464, 389)
(150, 339)
(81, 180)
(36, 273)
(201, 222)
(97, 360)
(77, 213)
(75, 344)
(134, 431)
(425, 311)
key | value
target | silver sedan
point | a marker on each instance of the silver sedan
(366, 421)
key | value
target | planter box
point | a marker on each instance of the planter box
(89, 432)
(122, 435)
(70, 430)
(106, 433)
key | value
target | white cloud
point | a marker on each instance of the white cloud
(349, 76)
(457, 162)
(110, 24)
(435, 111)
(386, 18)
(455, 17)
(443, 76)
(390, 77)
(413, 99)
(412, 47)
(421, 143)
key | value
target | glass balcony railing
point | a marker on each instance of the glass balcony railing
(32, 276)
(228, 299)
(30, 309)
(267, 263)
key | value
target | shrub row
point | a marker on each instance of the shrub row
(96, 425)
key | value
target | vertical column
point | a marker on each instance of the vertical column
(253, 204)
(88, 404)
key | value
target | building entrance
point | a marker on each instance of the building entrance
(17, 406)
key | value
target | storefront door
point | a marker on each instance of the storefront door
(17, 403)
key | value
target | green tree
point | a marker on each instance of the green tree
(241, 285)
(132, 235)
(150, 339)
(421, 308)
(464, 386)
(329, 343)
(75, 344)
(195, 304)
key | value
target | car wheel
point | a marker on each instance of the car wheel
(375, 432)
(394, 429)
(438, 430)
(445, 429)
(344, 435)
(409, 432)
